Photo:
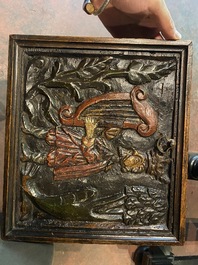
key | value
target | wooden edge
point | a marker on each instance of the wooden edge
(99, 40)
(7, 132)
(189, 53)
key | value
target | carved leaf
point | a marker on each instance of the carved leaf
(89, 67)
(88, 74)
(97, 72)
(141, 74)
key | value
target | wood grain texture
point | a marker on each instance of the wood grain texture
(115, 203)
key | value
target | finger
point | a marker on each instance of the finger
(164, 20)
(132, 31)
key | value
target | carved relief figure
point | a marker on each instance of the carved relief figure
(82, 121)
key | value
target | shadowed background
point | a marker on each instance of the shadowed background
(65, 17)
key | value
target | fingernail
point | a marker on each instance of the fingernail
(178, 36)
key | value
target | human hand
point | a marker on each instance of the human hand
(138, 19)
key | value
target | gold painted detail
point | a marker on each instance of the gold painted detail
(132, 161)
(90, 126)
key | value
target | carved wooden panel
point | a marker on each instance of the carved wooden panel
(96, 140)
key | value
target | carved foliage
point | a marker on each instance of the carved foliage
(145, 206)
(75, 115)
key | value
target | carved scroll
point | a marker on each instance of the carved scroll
(115, 110)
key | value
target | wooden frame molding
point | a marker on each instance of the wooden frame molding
(96, 140)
